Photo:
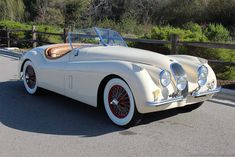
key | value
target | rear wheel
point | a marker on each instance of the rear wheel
(119, 103)
(192, 107)
(29, 78)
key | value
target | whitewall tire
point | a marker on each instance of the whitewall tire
(119, 102)
(29, 78)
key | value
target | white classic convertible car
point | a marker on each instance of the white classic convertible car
(96, 67)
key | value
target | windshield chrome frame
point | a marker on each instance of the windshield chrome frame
(98, 33)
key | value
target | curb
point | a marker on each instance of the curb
(224, 102)
(228, 91)
(225, 94)
(10, 53)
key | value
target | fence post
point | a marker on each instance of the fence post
(8, 38)
(174, 44)
(34, 36)
(65, 35)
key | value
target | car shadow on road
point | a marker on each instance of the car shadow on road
(51, 113)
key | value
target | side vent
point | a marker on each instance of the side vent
(70, 81)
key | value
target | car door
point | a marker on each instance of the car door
(52, 74)
(72, 73)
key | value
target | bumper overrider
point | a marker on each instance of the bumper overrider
(180, 98)
(208, 92)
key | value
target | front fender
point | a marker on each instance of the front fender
(144, 86)
(141, 83)
(34, 56)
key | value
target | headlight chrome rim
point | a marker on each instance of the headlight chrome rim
(165, 78)
(202, 75)
(181, 83)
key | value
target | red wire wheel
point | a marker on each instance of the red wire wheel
(119, 101)
(30, 77)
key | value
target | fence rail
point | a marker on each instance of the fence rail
(46, 33)
(174, 42)
(221, 62)
(147, 41)
(207, 45)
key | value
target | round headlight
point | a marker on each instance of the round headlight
(202, 75)
(181, 83)
(165, 78)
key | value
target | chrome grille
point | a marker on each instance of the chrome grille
(177, 70)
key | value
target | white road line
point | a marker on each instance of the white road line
(9, 56)
(232, 103)
(10, 53)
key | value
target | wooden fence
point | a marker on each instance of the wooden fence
(174, 42)
(34, 33)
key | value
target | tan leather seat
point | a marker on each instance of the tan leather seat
(58, 50)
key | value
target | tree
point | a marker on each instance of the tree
(178, 12)
(221, 11)
(75, 11)
(145, 11)
(107, 9)
(12, 10)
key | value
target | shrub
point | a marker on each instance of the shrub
(28, 35)
(192, 34)
(49, 29)
(106, 23)
(224, 72)
(14, 25)
(194, 27)
(16, 35)
(217, 33)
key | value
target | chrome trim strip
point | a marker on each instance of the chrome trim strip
(197, 94)
(163, 102)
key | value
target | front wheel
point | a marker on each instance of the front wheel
(29, 78)
(119, 103)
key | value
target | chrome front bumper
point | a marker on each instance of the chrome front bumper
(163, 102)
(199, 94)
(180, 98)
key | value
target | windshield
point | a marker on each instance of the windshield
(96, 36)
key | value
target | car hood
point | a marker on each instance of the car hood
(128, 54)
(151, 61)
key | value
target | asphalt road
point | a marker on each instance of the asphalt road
(50, 125)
